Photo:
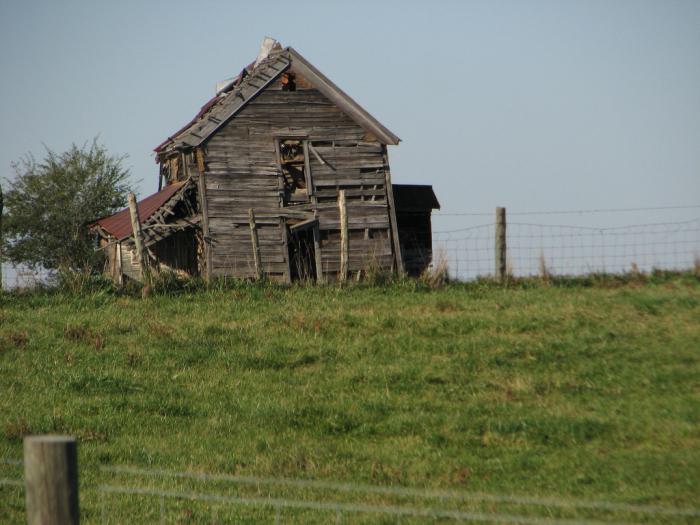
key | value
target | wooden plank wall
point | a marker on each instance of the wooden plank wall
(242, 173)
(131, 267)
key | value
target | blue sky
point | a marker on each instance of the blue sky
(532, 105)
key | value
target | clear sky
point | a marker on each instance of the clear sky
(533, 105)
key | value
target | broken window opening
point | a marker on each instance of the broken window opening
(293, 165)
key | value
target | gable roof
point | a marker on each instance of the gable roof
(119, 224)
(220, 109)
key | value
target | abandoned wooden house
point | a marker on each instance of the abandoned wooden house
(280, 175)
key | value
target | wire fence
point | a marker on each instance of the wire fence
(142, 495)
(584, 246)
(23, 277)
(556, 249)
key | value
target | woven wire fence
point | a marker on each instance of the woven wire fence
(22, 277)
(556, 249)
(536, 247)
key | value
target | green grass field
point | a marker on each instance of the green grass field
(584, 392)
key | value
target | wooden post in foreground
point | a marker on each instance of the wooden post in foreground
(256, 244)
(500, 244)
(344, 251)
(51, 480)
(136, 229)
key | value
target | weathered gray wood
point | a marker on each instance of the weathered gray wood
(243, 171)
(256, 245)
(317, 251)
(392, 214)
(344, 248)
(233, 102)
(118, 264)
(285, 245)
(138, 238)
(51, 480)
(500, 244)
(307, 170)
(204, 210)
(343, 101)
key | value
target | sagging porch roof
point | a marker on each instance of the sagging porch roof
(119, 224)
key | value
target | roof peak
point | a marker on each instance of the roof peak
(233, 94)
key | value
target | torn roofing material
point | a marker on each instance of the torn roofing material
(119, 224)
(220, 109)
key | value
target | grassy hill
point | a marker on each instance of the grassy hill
(577, 391)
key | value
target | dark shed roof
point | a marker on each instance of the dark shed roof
(119, 224)
(414, 197)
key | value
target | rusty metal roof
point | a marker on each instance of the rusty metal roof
(119, 224)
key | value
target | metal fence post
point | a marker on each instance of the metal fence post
(51, 480)
(500, 244)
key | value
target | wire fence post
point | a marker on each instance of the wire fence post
(51, 480)
(500, 253)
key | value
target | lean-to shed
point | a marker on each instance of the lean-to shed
(280, 174)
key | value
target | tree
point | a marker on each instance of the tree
(49, 204)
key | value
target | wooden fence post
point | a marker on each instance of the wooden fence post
(136, 229)
(256, 244)
(204, 211)
(344, 250)
(317, 250)
(500, 244)
(51, 480)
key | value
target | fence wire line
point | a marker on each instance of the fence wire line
(12, 482)
(532, 247)
(569, 212)
(278, 503)
(406, 491)
(565, 249)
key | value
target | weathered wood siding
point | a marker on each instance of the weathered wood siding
(131, 267)
(242, 172)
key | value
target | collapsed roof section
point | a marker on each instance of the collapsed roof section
(159, 215)
(234, 94)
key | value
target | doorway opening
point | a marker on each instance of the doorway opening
(302, 255)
